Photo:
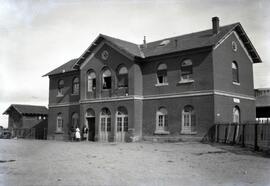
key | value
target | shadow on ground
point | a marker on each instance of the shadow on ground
(235, 149)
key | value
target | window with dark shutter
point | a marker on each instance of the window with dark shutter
(235, 73)
(107, 79)
(162, 74)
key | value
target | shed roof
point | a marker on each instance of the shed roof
(28, 109)
(67, 67)
(263, 101)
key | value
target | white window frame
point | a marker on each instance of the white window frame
(105, 121)
(90, 79)
(162, 67)
(186, 78)
(235, 69)
(162, 121)
(59, 123)
(188, 121)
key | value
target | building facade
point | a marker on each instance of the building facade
(174, 87)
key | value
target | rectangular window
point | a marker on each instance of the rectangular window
(162, 76)
(186, 72)
(125, 124)
(166, 121)
(122, 80)
(76, 88)
(235, 75)
(60, 92)
(102, 124)
(107, 83)
(108, 124)
(91, 85)
(59, 125)
(119, 124)
(160, 120)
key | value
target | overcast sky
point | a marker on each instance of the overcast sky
(38, 36)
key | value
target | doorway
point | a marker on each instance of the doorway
(91, 127)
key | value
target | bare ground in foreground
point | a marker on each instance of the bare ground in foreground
(33, 162)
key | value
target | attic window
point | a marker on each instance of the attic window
(164, 43)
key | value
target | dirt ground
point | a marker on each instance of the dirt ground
(52, 163)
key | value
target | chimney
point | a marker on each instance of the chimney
(144, 42)
(215, 23)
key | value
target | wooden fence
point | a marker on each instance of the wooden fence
(255, 135)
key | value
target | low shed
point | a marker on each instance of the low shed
(27, 121)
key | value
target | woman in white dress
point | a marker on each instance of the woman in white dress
(78, 134)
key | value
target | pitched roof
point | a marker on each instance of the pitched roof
(131, 48)
(67, 67)
(190, 41)
(28, 109)
(186, 42)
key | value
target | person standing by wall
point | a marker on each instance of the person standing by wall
(78, 134)
(85, 133)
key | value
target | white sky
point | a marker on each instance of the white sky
(38, 36)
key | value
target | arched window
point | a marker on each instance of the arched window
(105, 119)
(106, 79)
(75, 86)
(91, 81)
(161, 120)
(90, 113)
(59, 122)
(186, 70)
(122, 119)
(188, 120)
(122, 76)
(60, 87)
(236, 114)
(162, 74)
(235, 72)
(75, 120)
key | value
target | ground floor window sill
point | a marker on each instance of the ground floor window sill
(188, 133)
(186, 81)
(162, 132)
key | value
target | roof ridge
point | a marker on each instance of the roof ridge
(103, 35)
(28, 105)
(190, 33)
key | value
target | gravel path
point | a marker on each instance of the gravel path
(52, 163)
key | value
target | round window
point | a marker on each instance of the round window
(234, 46)
(105, 55)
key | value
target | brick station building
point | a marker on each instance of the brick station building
(174, 87)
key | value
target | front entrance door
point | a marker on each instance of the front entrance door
(186, 123)
(91, 127)
(188, 120)
(122, 127)
(105, 124)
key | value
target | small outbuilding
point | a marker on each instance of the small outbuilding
(27, 121)
(262, 105)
